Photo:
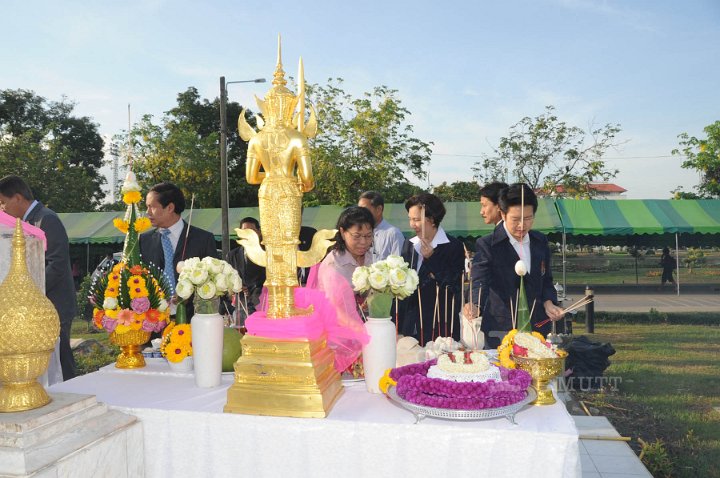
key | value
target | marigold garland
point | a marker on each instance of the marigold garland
(121, 225)
(132, 197)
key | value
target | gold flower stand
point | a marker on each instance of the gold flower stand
(130, 343)
(542, 372)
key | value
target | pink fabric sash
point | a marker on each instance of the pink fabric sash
(334, 313)
(28, 229)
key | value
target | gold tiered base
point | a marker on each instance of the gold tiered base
(129, 343)
(288, 378)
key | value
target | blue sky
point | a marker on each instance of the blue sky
(466, 70)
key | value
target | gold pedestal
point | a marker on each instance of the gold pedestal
(542, 372)
(129, 343)
(288, 378)
(19, 388)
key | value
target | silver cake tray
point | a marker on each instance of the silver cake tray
(421, 411)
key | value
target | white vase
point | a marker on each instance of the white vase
(380, 352)
(183, 366)
(207, 344)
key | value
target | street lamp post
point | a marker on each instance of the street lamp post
(224, 202)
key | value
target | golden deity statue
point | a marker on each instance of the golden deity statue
(278, 159)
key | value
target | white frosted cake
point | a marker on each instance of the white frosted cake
(464, 366)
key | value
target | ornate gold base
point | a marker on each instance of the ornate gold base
(19, 397)
(544, 394)
(130, 342)
(288, 378)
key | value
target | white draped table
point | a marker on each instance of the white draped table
(186, 434)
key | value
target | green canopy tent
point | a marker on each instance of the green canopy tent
(639, 216)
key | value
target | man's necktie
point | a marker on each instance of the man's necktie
(168, 253)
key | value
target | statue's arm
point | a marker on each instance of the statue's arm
(252, 169)
(304, 168)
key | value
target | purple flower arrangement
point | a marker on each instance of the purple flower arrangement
(414, 386)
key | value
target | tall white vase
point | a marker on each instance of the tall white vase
(380, 352)
(207, 344)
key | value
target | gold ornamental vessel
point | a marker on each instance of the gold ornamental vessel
(542, 371)
(130, 343)
(29, 328)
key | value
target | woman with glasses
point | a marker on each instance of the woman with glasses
(439, 259)
(493, 274)
(353, 244)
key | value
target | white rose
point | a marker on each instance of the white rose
(198, 275)
(207, 290)
(184, 288)
(360, 279)
(109, 303)
(213, 265)
(227, 269)
(520, 268)
(221, 283)
(162, 305)
(236, 283)
(394, 261)
(378, 280)
(179, 267)
(398, 277)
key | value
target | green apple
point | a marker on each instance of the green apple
(231, 348)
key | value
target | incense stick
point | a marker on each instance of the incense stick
(422, 333)
(445, 312)
(452, 316)
(436, 311)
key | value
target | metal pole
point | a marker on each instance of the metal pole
(590, 311)
(564, 245)
(677, 263)
(224, 171)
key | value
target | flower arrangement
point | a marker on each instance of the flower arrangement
(176, 342)
(413, 384)
(384, 280)
(131, 295)
(523, 344)
(208, 278)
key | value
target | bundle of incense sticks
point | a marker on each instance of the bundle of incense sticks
(582, 302)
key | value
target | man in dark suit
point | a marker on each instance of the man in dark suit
(172, 237)
(18, 201)
(493, 268)
(252, 275)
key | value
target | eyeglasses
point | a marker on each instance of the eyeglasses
(358, 237)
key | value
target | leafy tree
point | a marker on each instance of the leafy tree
(58, 154)
(184, 148)
(363, 144)
(545, 153)
(694, 257)
(702, 155)
(459, 191)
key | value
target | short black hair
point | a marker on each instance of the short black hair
(492, 191)
(352, 216)
(169, 193)
(513, 196)
(434, 207)
(374, 197)
(250, 220)
(12, 185)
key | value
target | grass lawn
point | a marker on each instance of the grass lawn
(669, 396)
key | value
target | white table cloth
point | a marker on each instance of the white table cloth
(186, 434)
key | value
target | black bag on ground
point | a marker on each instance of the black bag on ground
(586, 362)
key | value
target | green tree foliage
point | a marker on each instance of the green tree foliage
(545, 153)
(702, 155)
(459, 191)
(363, 144)
(58, 154)
(184, 148)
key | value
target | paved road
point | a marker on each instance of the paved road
(643, 302)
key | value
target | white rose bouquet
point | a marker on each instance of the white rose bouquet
(384, 280)
(208, 278)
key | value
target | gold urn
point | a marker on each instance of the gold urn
(130, 342)
(542, 371)
(29, 327)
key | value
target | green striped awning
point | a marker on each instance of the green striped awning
(639, 216)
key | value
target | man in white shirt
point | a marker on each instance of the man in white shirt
(387, 239)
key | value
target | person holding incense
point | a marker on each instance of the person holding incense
(494, 280)
(439, 259)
